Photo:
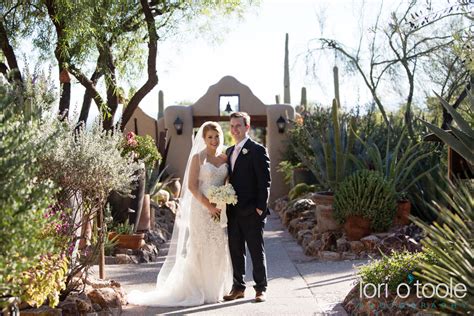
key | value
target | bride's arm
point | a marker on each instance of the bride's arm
(193, 183)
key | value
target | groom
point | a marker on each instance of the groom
(249, 170)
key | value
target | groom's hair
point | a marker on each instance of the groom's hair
(211, 126)
(244, 115)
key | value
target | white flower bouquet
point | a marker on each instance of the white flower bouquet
(221, 196)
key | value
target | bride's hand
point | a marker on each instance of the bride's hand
(214, 211)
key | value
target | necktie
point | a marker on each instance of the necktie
(234, 156)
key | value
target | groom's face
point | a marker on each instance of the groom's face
(238, 129)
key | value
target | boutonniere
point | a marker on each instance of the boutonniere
(245, 151)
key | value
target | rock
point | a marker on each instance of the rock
(329, 241)
(292, 226)
(41, 311)
(329, 255)
(295, 209)
(394, 242)
(280, 204)
(313, 248)
(370, 242)
(68, 307)
(346, 255)
(325, 220)
(342, 244)
(357, 246)
(105, 297)
(123, 259)
(306, 240)
(303, 234)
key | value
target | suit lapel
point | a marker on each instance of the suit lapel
(245, 146)
(229, 165)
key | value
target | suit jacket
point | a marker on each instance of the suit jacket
(250, 178)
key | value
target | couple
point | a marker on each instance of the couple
(204, 262)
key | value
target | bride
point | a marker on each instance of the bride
(197, 269)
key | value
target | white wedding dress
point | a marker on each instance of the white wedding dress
(201, 271)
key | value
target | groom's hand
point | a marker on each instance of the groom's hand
(259, 212)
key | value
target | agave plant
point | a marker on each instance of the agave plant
(330, 146)
(451, 239)
(461, 137)
(397, 166)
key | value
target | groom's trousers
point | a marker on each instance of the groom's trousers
(247, 230)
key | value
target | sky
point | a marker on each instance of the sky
(252, 51)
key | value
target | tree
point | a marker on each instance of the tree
(114, 36)
(395, 52)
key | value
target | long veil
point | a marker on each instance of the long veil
(171, 278)
(176, 257)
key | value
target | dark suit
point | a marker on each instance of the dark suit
(250, 178)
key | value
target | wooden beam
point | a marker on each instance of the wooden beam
(255, 120)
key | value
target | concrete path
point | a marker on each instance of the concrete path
(298, 285)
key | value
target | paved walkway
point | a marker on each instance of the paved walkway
(298, 285)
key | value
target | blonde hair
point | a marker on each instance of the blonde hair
(244, 115)
(211, 126)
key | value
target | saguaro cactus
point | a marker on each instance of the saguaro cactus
(286, 79)
(304, 101)
(336, 85)
(161, 104)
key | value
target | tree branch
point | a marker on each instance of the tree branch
(152, 80)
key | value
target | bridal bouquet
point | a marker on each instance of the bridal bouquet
(221, 196)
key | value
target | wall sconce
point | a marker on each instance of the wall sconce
(178, 125)
(281, 124)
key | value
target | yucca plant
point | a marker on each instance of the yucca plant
(461, 138)
(397, 166)
(451, 239)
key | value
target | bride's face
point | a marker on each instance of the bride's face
(212, 139)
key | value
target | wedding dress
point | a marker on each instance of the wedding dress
(198, 269)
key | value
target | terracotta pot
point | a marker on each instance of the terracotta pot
(356, 227)
(325, 219)
(323, 198)
(145, 216)
(403, 211)
(134, 241)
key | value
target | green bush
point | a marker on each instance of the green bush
(87, 164)
(394, 269)
(367, 194)
(299, 190)
(24, 197)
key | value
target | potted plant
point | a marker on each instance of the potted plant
(363, 202)
(123, 234)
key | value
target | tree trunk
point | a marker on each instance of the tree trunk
(7, 50)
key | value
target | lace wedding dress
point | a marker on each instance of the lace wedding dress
(202, 270)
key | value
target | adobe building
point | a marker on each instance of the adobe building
(176, 124)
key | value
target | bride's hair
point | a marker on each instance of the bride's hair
(211, 126)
